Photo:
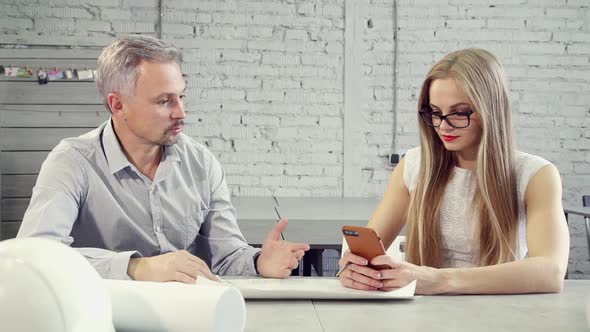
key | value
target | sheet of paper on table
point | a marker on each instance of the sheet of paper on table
(311, 288)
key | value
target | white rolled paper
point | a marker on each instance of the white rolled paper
(48, 286)
(175, 307)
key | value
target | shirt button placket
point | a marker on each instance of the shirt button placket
(158, 219)
(156, 215)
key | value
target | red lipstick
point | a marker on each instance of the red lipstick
(449, 138)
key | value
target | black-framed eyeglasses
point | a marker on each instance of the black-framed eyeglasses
(456, 120)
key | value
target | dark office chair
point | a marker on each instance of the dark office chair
(586, 203)
(314, 257)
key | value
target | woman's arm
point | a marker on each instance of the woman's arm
(388, 220)
(541, 272)
(390, 216)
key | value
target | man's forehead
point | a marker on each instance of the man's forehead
(154, 67)
(160, 75)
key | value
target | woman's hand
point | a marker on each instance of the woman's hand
(357, 274)
(429, 280)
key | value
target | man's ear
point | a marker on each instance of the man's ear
(115, 102)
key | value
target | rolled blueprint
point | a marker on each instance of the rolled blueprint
(175, 307)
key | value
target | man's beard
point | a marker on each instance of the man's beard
(170, 140)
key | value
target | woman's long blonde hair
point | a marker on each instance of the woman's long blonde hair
(481, 77)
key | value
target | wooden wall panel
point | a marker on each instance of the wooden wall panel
(47, 64)
(56, 40)
(56, 116)
(49, 54)
(13, 209)
(36, 139)
(71, 92)
(34, 118)
(18, 186)
(9, 229)
(22, 162)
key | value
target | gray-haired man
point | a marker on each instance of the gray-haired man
(136, 196)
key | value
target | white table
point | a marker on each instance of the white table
(581, 211)
(272, 316)
(256, 217)
(585, 213)
(535, 312)
(318, 221)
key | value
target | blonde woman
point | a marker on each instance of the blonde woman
(481, 217)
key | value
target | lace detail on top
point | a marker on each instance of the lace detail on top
(457, 221)
(459, 242)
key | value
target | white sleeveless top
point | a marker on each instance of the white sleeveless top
(459, 241)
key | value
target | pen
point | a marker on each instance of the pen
(342, 269)
(278, 215)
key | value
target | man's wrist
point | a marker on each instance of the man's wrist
(255, 257)
(132, 267)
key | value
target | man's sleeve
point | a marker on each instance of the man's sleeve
(230, 254)
(56, 199)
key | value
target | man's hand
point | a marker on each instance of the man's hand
(278, 257)
(175, 266)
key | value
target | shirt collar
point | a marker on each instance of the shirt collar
(115, 156)
(171, 153)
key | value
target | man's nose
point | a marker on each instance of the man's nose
(179, 112)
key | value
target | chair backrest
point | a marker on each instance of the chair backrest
(586, 200)
(395, 251)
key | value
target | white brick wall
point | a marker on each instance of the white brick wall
(266, 78)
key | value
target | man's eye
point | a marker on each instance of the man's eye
(164, 102)
(181, 96)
